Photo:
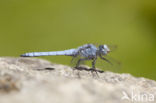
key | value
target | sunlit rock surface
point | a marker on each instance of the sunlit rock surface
(29, 80)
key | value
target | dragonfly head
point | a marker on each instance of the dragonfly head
(104, 49)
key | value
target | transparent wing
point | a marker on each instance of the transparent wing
(114, 66)
(75, 60)
(112, 47)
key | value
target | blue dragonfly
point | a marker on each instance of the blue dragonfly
(85, 52)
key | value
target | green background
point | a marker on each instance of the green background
(47, 25)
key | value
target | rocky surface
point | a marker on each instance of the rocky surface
(29, 80)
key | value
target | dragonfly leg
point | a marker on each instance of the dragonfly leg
(79, 61)
(78, 66)
(93, 69)
(93, 63)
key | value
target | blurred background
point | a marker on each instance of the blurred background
(49, 25)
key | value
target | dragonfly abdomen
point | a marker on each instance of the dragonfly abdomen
(69, 52)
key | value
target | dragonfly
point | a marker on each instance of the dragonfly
(85, 52)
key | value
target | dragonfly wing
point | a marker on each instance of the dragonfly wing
(112, 47)
(75, 60)
(104, 65)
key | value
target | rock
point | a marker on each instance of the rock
(30, 80)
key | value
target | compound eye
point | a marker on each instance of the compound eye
(105, 46)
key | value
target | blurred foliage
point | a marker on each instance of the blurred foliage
(48, 25)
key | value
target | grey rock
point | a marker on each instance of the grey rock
(31, 80)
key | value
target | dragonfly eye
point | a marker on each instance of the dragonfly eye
(105, 47)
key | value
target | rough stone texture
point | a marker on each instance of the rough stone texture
(30, 80)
